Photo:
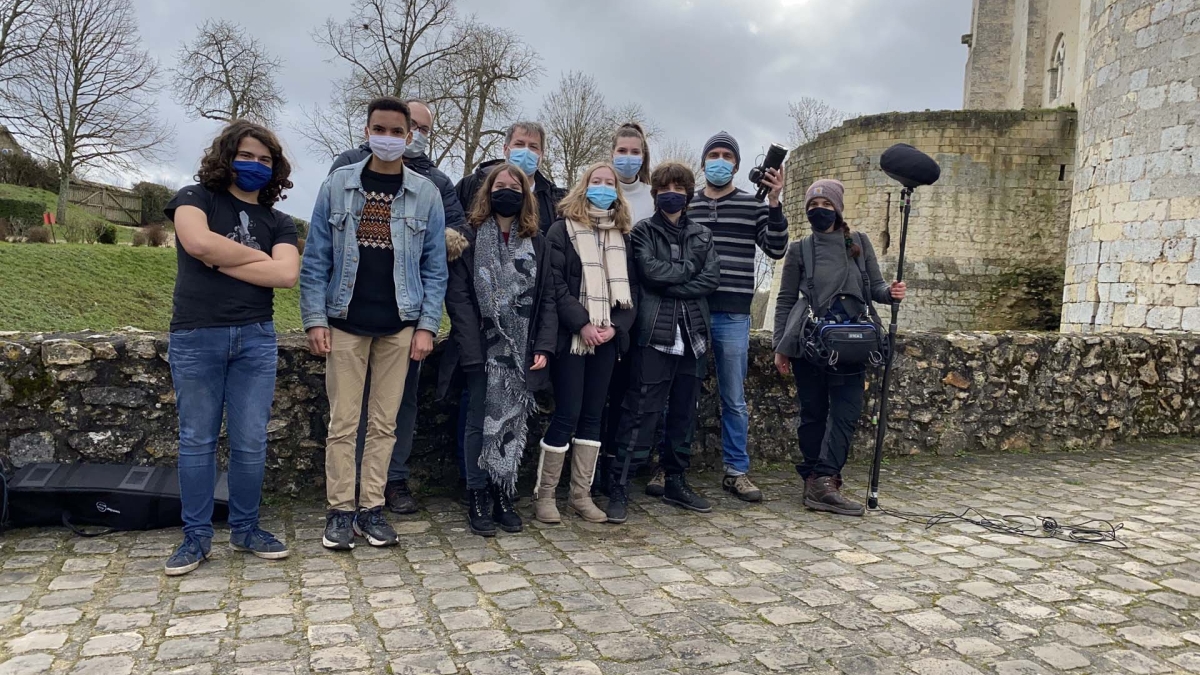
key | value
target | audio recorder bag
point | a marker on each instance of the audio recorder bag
(111, 497)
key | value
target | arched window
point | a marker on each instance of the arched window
(1057, 69)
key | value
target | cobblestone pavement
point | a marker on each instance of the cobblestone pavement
(748, 588)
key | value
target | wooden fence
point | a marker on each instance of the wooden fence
(113, 204)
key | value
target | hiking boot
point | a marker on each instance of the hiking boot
(742, 487)
(503, 512)
(188, 556)
(821, 494)
(372, 526)
(657, 485)
(339, 530)
(479, 513)
(398, 498)
(259, 542)
(618, 503)
(678, 492)
(837, 481)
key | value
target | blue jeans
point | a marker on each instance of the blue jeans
(731, 348)
(226, 371)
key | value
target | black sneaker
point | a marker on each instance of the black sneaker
(339, 530)
(679, 493)
(372, 526)
(479, 513)
(503, 512)
(398, 498)
(618, 502)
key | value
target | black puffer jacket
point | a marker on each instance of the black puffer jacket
(424, 166)
(466, 349)
(666, 284)
(568, 276)
(548, 194)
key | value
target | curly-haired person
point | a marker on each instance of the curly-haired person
(233, 249)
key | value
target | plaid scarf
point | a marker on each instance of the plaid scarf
(601, 249)
(505, 282)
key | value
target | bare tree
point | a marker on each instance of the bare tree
(23, 28)
(392, 48)
(633, 112)
(225, 74)
(474, 93)
(578, 126)
(678, 150)
(88, 98)
(812, 117)
(333, 128)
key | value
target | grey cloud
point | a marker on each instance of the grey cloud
(695, 66)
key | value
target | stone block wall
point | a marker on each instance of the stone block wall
(987, 82)
(1135, 221)
(986, 242)
(108, 398)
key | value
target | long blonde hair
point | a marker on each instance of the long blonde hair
(576, 206)
(481, 207)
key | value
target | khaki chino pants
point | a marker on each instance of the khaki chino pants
(345, 378)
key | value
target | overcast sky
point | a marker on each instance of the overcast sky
(695, 66)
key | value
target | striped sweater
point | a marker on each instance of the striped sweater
(739, 223)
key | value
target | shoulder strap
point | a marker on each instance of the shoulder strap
(861, 261)
(807, 268)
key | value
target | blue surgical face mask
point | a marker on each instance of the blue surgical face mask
(525, 159)
(670, 202)
(627, 166)
(252, 176)
(718, 172)
(601, 196)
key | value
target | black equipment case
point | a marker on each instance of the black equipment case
(110, 496)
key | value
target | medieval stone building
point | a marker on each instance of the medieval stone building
(1042, 211)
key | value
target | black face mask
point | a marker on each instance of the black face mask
(507, 202)
(821, 219)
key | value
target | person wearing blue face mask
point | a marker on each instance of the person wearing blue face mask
(233, 249)
(631, 159)
(524, 145)
(594, 293)
(740, 224)
(371, 291)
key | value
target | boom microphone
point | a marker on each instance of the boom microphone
(908, 165)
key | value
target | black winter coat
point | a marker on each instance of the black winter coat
(455, 216)
(548, 194)
(466, 349)
(664, 283)
(568, 277)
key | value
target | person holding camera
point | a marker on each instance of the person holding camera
(594, 291)
(503, 330)
(677, 269)
(829, 276)
(739, 222)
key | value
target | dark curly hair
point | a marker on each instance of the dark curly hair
(216, 168)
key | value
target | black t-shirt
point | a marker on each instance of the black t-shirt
(206, 298)
(373, 311)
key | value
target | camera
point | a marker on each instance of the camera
(772, 160)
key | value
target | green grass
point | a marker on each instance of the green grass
(72, 287)
(50, 201)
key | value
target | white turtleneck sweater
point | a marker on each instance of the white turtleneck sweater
(641, 204)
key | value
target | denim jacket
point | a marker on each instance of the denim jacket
(331, 250)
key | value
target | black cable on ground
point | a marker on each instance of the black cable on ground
(1093, 531)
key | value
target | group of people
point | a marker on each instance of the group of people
(611, 295)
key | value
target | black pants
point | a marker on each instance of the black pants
(476, 386)
(660, 382)
(580, 389)
(830, 406)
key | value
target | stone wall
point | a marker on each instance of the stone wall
(986, 242)
(108, 398)
(990, 45)
(1135, 220)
